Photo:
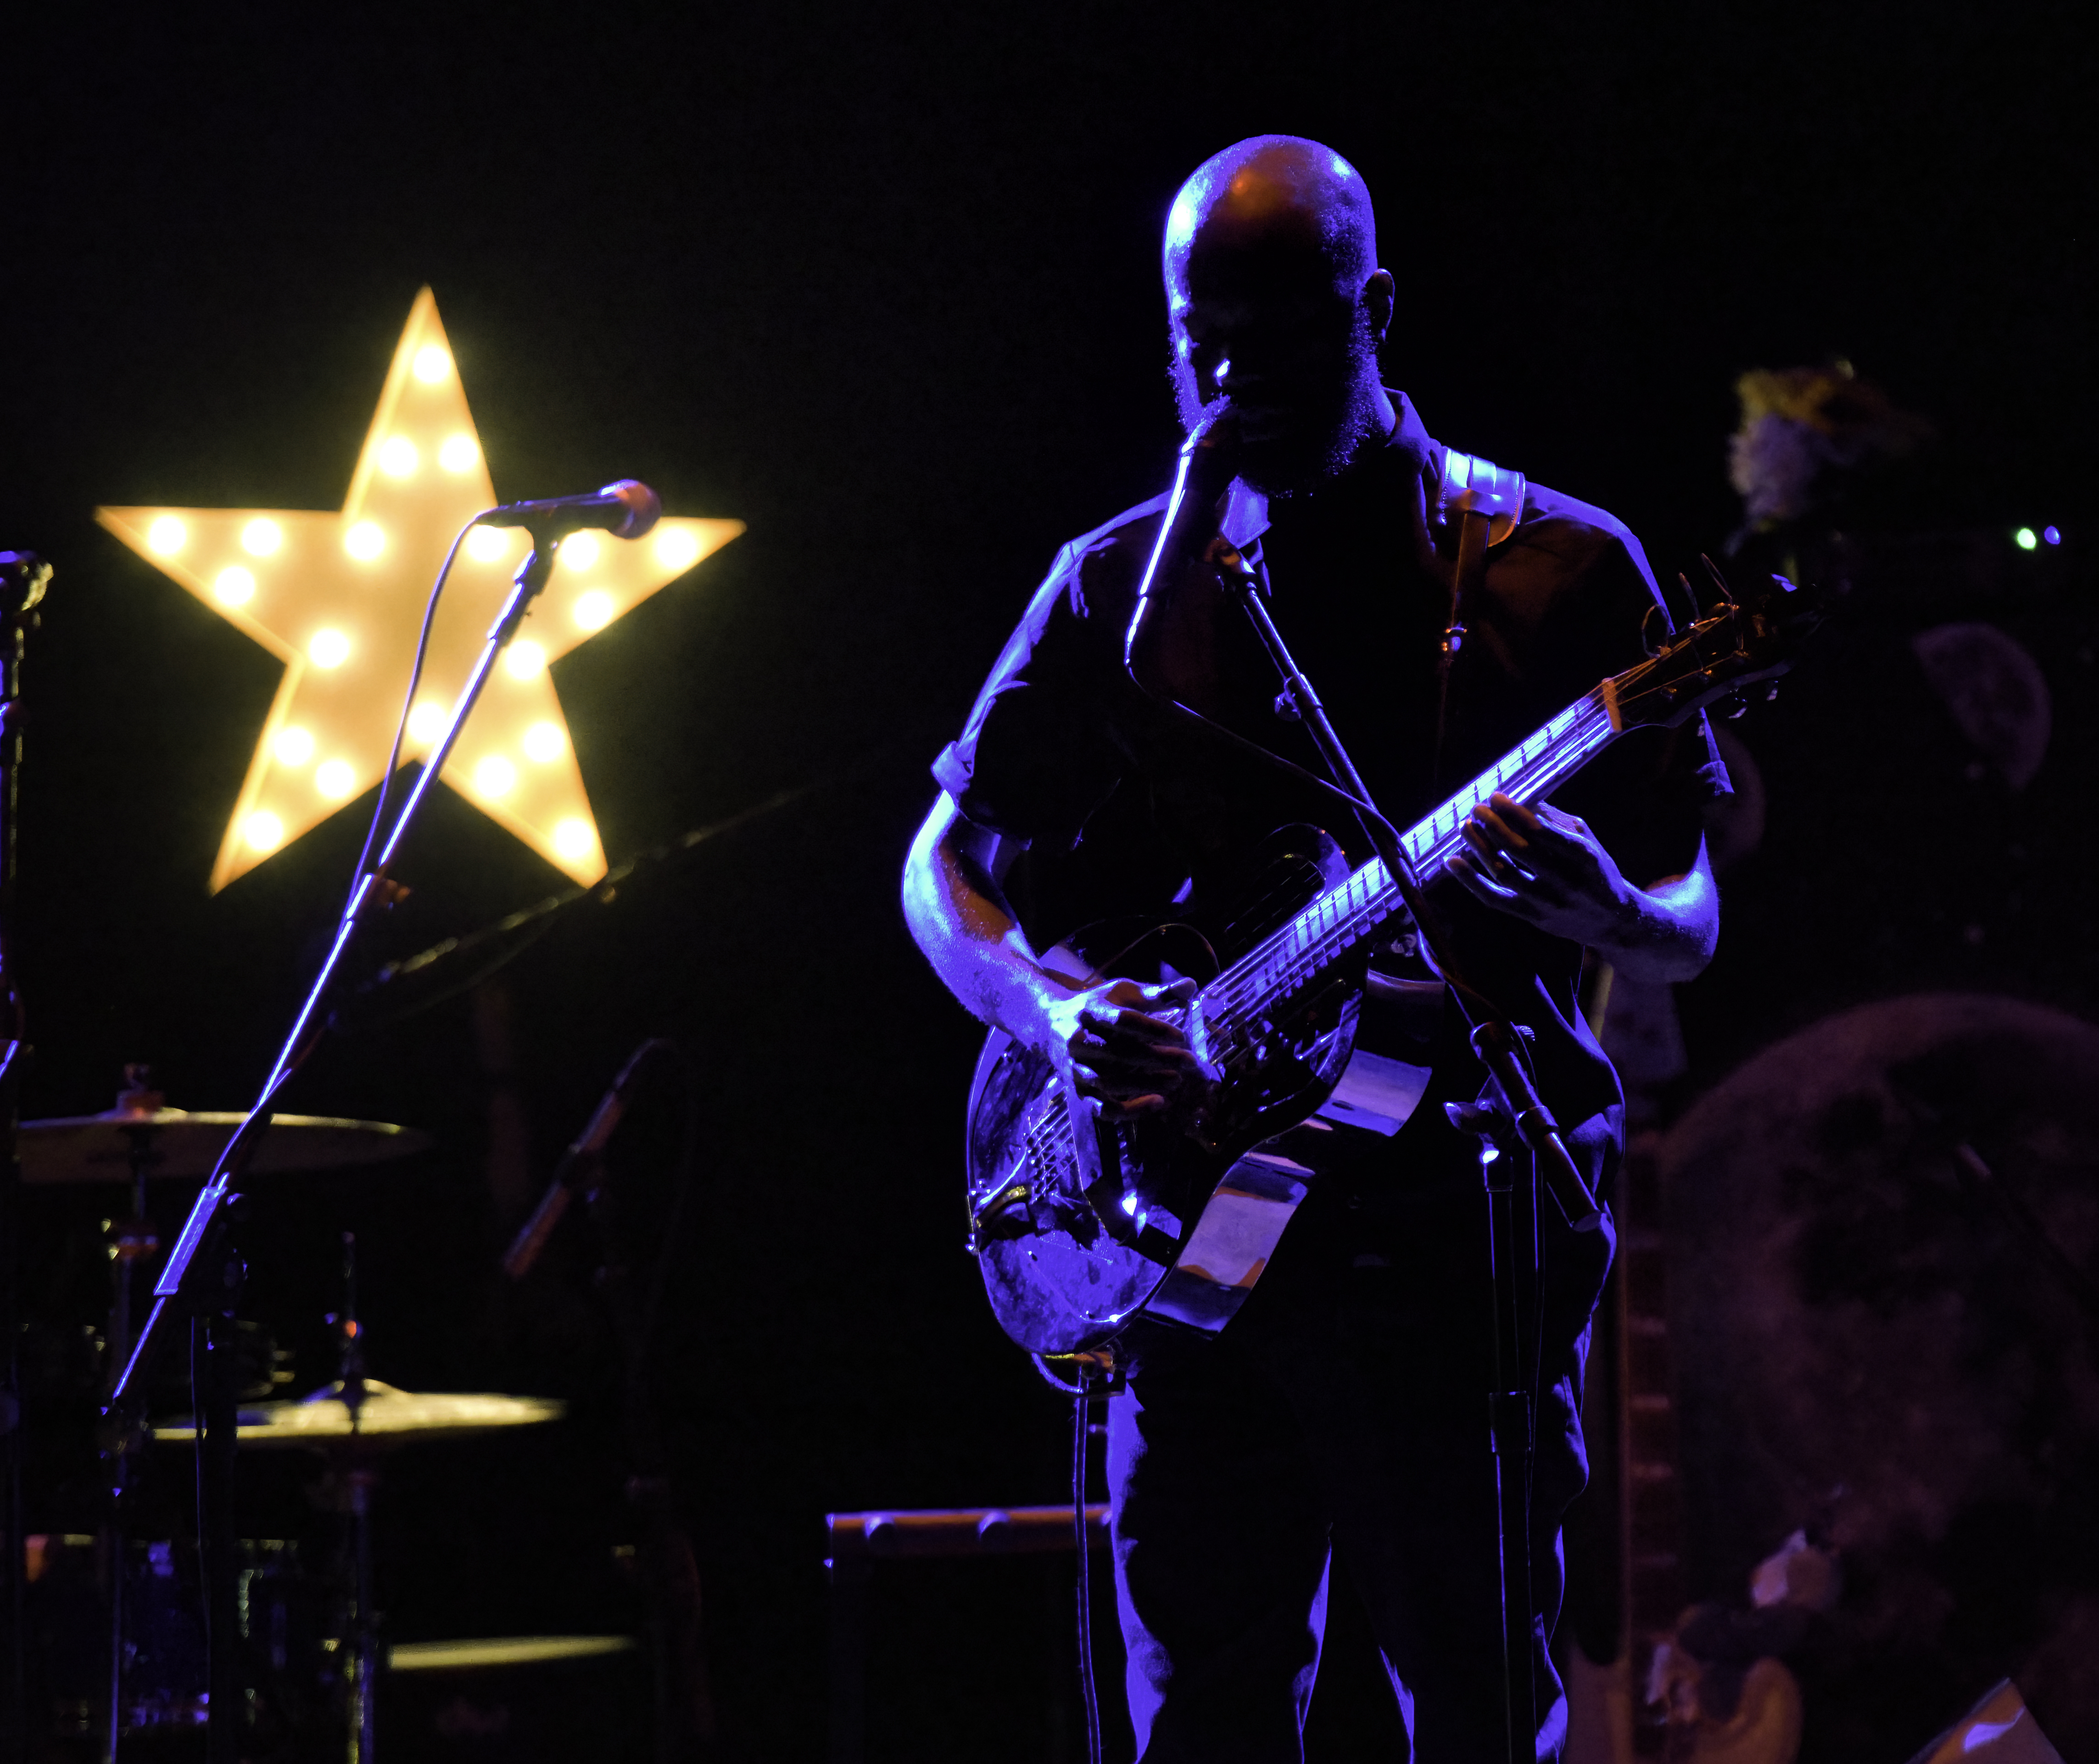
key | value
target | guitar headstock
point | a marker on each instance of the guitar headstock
(1740, 641)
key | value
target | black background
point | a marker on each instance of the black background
(881, 282)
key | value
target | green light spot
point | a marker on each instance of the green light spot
(2027, 538)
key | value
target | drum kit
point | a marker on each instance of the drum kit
(117, 1622)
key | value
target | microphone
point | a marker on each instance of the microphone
(577, 1165)
(626, 509)
(1207, 462)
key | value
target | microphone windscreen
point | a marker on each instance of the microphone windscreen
(643, 507)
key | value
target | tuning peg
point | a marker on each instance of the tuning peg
(1690, 599)
(1655, 629)
(1771, 692)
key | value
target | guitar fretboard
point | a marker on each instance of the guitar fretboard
(1246, 994)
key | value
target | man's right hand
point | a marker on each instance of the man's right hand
(1121, 1051)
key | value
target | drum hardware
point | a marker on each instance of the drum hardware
(351, 1421)
(153, 1672)
(24, 578)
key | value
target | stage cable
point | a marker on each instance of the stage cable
(1090, 1695)
(408, 699)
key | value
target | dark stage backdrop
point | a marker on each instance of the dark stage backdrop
(881, 282)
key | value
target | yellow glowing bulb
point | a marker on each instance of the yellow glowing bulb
(458, 453)
(165, 535)
(574, 840)
(524, 659)
(432, 364)
(364, 541)
(293, 746)
(263, 831)
(677, 548)
(397, 457)
(485, 544)
(579, 550)
(328, 648)
(593, 611)
(235, 586)
(544, 743)
(260, 538)
(336, 779)
(495, 776)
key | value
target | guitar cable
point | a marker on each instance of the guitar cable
(1090, 1695)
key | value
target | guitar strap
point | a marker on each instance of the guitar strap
(1486, 502)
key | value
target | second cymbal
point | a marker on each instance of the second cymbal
(180, 1145)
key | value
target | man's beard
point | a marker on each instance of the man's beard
(1320, 441)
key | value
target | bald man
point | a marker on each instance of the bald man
(1340, 1413)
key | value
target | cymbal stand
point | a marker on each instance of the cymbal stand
(214, 1342)
(24, 577)
(359, 1484)
(131, 1241)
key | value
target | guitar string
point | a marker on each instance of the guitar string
(1280, 963)
(1427, 838)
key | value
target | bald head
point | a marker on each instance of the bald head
(1274, 301)
(1274, 193)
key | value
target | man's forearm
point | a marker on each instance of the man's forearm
(1669, 930)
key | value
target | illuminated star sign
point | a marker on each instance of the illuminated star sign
(339, 598)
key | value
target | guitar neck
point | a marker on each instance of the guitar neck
(1239, 1000)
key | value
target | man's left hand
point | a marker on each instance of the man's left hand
(1547, 869)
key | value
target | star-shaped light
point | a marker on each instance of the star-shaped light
(339, 598)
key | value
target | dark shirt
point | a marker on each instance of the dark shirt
(1123, 805)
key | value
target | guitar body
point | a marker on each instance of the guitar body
(1174, 1225)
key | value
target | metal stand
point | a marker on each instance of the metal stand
(360, 1484)
(131, 1240)
(1513, 1243)
(1512, 1246)
(213, 1341)
(24, 577)
(357, 1487)
(192, 1283)
(684, 1725)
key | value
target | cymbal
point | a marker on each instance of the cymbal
(184, 1145)
(502, 1651)
(323, 1421)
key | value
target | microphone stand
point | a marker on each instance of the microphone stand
(24, 577)
(1499, 1045)
(201, 1280)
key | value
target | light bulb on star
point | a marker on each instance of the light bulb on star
(338, 599)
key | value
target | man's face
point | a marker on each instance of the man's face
(1270, 327)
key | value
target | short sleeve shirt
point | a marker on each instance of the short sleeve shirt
(1123, 805)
